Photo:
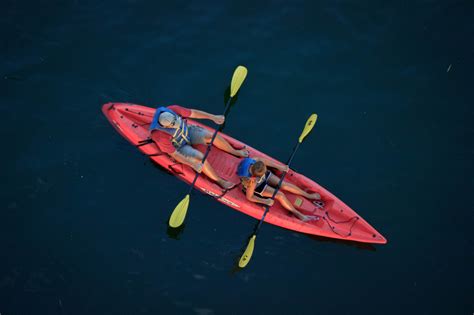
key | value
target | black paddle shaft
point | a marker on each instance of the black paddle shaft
(267, 208)
(226, 112)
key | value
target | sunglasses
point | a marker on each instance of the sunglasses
(173, 122)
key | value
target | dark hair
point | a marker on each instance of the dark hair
(258, 169)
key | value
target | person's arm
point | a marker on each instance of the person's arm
(196, 114)
(199, 114)
(250, 190)
(270, 163)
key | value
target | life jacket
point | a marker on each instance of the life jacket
(180, 135)
(243, 171)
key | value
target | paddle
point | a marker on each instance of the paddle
(244, 260)
(179, 213)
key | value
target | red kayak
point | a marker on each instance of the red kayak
(336, 219)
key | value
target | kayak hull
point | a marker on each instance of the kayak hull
(335, 218)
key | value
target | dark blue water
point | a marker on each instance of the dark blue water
(83, 214)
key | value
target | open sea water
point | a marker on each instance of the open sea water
(83, 216)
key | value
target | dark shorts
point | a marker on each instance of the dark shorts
(197, 135)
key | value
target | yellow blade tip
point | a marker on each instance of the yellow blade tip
(244, 260)
(308, 126)
(179, 213)
(238, 78)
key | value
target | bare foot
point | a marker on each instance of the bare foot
(225, 184)
(314, 196)
(242, 153)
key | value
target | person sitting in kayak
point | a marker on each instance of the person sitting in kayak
(257, 181)
(171, 132)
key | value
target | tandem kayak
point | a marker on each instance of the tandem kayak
(335, 218)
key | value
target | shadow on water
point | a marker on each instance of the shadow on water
(227, 97)
(232, 102)
(235, 269)
(159, 167)
(362, 246)
(175, 233)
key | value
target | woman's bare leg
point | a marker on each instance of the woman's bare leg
(273, 180)
(224, 145)
(207, 169)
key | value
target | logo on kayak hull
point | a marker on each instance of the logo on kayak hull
(223, 199)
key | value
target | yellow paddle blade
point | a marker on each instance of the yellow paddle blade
(308, 127)
(179, 213)
(237, 79)
(244, 260)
